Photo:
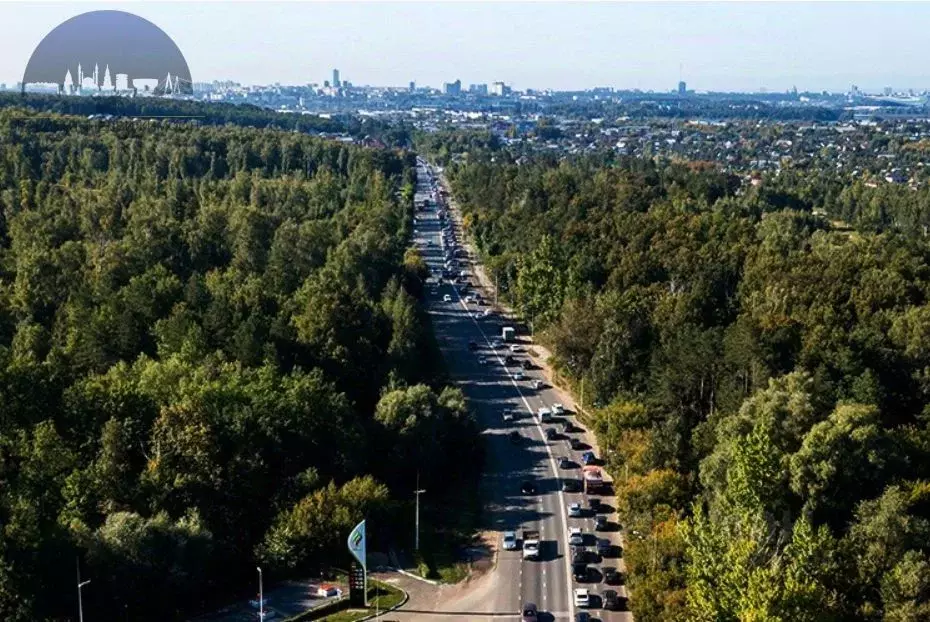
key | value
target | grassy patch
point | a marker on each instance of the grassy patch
(453, 573)
(450, 527)
(381, 596)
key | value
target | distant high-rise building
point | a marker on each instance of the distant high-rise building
(478, 89)
(888, 91)
(682, 87)
(499, 89)
(122, 82)
(452, 88)
(413, 86)
(325, 84)
(107, 83)
(336, 82)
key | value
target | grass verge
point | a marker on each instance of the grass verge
(381, 597)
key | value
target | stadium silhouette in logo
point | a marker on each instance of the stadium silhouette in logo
(107, 53)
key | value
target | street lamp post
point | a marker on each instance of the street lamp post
(80, 584)
(417, 492)
(261, 596)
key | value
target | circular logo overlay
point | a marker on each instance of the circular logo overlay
(107, 53)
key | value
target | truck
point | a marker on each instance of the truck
(508, 333)
(530, 544)
(593, 480)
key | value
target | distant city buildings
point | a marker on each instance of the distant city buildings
(452, 88)
(478, 89)
(499, 89)
(336, 82)
(682, 87)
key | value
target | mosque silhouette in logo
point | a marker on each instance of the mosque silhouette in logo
(138, 58)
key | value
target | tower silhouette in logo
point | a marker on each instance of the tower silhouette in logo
(143, 58)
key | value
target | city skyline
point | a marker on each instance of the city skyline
(818, 47)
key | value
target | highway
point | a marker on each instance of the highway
(491, 388)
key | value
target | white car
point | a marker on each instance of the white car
(515, 348)
(508, 415)
(496, 344)
(447, 298)
(574, 510)
(537, 384)
(510, 541)
(558, 409)
(544, 415)
(518, 375)
(482, 360)
(582, 597)
(575, 536)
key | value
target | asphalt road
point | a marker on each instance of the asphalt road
(491, 388)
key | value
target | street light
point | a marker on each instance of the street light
(80, 584)
(261, 596)
(417, 492)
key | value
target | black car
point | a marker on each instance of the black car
(600, 523)
(551, 433)
(582, 616)
(527, 364)
(528, 488)
(580, 571)
(509, 360)
(472, 345)
(612, 576)
(595, 504)
(579, 556)
(575, 443)
(530, 613)
(611, 600)
(571, 485)
(514, 437)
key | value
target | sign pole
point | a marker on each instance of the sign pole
(357, 547)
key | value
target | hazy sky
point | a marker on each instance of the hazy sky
(722, 46)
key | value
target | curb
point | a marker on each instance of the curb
(397, 606)
(415, 576)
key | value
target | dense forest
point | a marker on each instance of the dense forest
(209, 339)
(758, 378)
(205, 113)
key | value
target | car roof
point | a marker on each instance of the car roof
(530, 606)
(510, 533)
(581, 590)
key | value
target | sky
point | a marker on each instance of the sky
(729, 46)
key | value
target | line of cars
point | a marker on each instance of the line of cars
(586, 549)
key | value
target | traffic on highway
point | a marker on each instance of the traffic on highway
(558, 553)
